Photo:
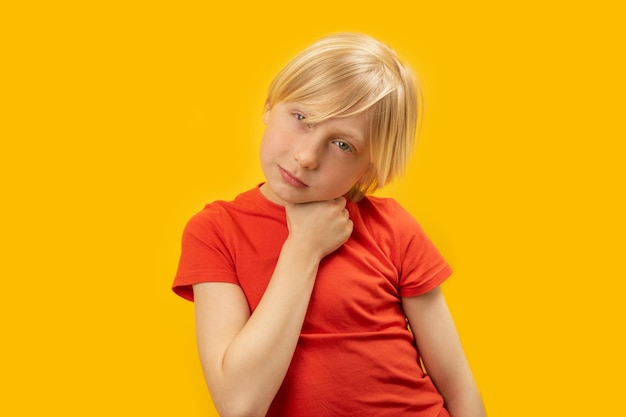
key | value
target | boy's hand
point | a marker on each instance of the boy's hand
(320, 227)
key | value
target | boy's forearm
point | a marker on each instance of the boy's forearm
(465, 404)
(256, 362)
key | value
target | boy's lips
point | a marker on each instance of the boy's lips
(291, 179)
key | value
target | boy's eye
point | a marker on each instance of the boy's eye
(300, 117)
(343, 146)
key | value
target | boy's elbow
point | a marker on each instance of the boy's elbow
(234, 397)
(239, 407)
(239, 412)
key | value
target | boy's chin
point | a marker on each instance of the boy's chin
(278, 196)
(308, 200)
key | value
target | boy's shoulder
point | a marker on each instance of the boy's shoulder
(384, 209)
(249, 203)
(381, 204)
(250, 197)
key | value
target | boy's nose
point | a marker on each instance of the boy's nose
(307, 156)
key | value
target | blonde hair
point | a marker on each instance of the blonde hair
(346, 74)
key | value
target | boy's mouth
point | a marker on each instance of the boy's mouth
(291, 179)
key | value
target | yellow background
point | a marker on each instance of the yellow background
(119, 120)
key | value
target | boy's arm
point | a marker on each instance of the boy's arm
(245, 356)
(442, 353)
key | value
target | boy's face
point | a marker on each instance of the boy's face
(304, 162)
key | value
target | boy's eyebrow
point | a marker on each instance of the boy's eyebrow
(352, 136)
(296, 106)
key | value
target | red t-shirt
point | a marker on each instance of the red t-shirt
(355, 356)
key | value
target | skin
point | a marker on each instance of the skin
(309, 163)
(308, 169)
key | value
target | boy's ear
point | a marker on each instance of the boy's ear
(266, 115)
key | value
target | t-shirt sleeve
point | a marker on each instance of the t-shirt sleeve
(204, 254)
(422, 268)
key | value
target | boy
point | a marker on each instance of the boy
(303, 285)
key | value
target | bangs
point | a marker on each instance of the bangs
(337, 80)
(335, 94)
